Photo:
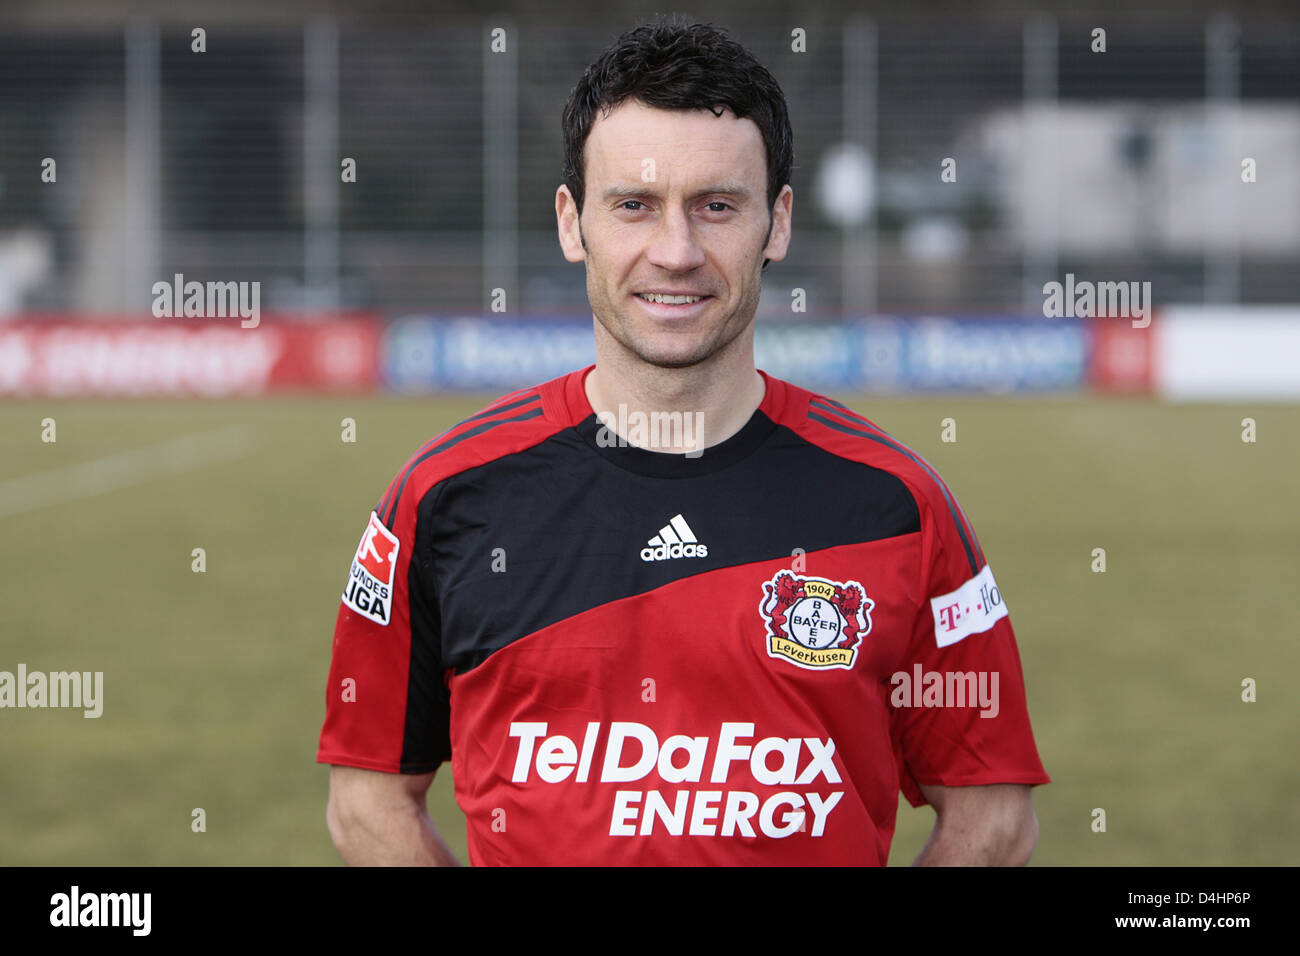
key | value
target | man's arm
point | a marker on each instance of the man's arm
(991, 825)
(382, 819)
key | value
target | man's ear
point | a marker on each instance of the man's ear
(778, 233)
(570, 230)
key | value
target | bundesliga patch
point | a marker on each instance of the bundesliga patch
(815, 623)
(370, 583)
(971, 609)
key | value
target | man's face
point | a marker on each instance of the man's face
(676, 203)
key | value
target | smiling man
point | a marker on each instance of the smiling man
(676, 227)
(733, 644)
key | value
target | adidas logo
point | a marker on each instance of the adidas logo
(674, 540)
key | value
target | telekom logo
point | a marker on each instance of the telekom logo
(949, 616)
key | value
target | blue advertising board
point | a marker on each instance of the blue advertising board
(877, 353)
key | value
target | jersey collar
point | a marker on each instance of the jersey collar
(657, 464)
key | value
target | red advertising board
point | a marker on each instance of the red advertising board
(59, 356)
(1120, 355)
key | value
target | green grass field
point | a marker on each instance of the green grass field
(214, 682)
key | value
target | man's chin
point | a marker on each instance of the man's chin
(678, 349)
(675, 363)
(670, 358)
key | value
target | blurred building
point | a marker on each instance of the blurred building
(226, 163)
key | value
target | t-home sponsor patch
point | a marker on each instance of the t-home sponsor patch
(971, 609)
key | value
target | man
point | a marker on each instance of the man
(686, 644)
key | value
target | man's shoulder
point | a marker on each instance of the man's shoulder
(835, 428)
(838, 429)
(508, 425)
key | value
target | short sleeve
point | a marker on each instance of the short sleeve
(386, 702)
(958, 715)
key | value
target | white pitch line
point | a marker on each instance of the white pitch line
(102, 475)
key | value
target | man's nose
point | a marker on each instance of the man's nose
(675, 246)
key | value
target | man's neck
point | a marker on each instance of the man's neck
(712, 401)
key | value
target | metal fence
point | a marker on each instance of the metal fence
(226, 163)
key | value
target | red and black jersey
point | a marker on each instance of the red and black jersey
(632, 657)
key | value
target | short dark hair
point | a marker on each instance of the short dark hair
(677, 64)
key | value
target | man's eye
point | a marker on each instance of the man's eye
(724, 206)
(632, 202)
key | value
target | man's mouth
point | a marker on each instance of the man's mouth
(661, 298)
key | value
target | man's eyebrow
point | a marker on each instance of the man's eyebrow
(632, 190)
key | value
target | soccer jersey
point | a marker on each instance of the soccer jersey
(632, 657)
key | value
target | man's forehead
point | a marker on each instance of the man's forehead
(714, 142)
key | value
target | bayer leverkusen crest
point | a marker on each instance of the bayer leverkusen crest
(815, 623)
